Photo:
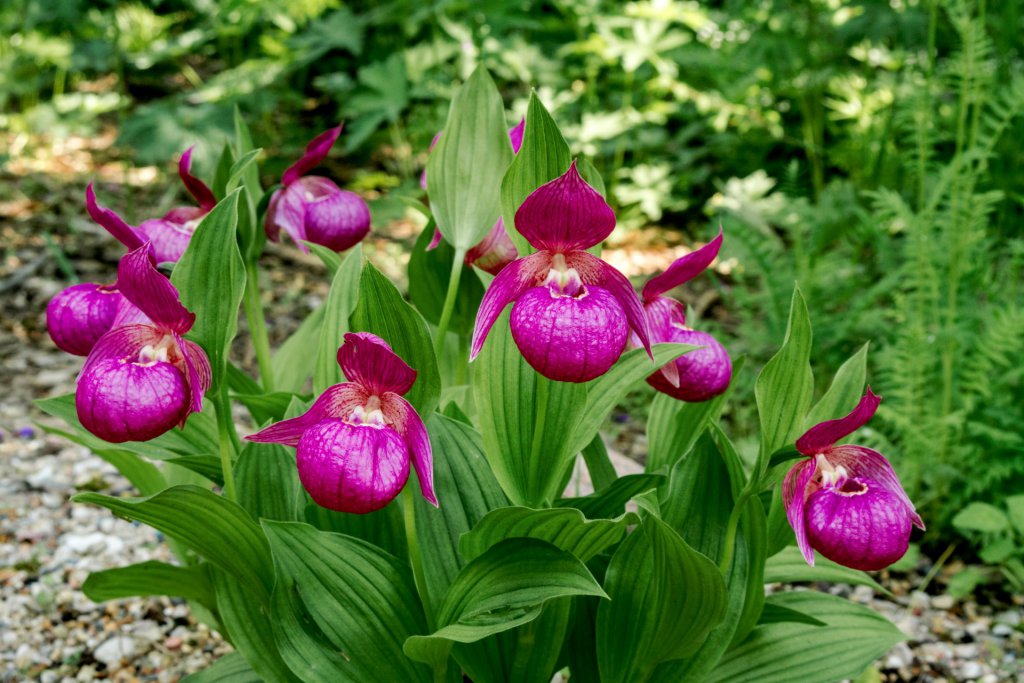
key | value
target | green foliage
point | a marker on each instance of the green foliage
(999, 537)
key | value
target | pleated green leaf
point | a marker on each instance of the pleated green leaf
(341, 301)
(151, 578)
(852, 638)
(611, 501)
(267, 482)
(357, 605)
(293, 363)
(845, 391)
(211, 279)
(789, 566)
(665, 599)
(231, 668)
(429, 272)
(465, 169)
(774, 613)
(383, 528)
(204, 465)
(266, 407)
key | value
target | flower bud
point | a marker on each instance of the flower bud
(79, 315)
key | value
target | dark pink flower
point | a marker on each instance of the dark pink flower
(170, 235)
(314, 209)
(355, 443)
(846, 501)
(572, 311)
(142, 379)
(700, 374)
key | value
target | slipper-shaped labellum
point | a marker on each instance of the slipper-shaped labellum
(79, 315)
(142, 379)
(700, 374)
(846, 501)
(314, 209)
(356, 441)
(572, 312)
(496, 250)
(170, 234)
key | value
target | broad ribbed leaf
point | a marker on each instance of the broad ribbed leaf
(599, 465)
(505, 587)
(845, 391)
(266, 407)
(207, 466)
(665, 599)
(466, 167)
(231, 668)
(151, 578)
(611, 501)
(564, 528)
(543, 157)
(250, 232)
(382, 311)
(211, 525)
(383, 528)
(294, 362)
(341, 301)
(429, 272)
(853, 637)
(789, 566)
(267, 482)
(784, 387)
(211, 278)
(774, 613)
(358, 598)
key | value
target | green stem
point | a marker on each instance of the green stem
(415, 558)
(227, 436)
(258, 326)
(540, 418)
(449, 301)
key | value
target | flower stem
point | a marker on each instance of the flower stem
(226, 440)
(449, 301)
(415, 558)
(258, 326)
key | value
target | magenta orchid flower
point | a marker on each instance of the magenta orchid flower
(170, 235)
(79, 315)
(142, 379)
(845, 501)
(314, 209)
(355, 442)
(702, 373)
(572, 311)
(496, 250)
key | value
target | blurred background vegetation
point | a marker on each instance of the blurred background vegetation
(869, 150)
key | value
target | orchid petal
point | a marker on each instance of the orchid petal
(168, 238)
(287, 212)
(316, 151)
(494, 252)
(198, 374)
(794, 495)
(861, 462)
(824, 435)
(337, 401)
(368, 360)
(406, 421)
(129, 314)
(565, 214)
(515, 135)
(144, 285)
(507, 286)
(664, 314)
(338, 221)
(196, 187)
(435, 241)
(111, 222)
(121, 342)
(594, 271)
(683, 269)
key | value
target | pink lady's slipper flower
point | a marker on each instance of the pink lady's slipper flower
(572, 311)
(79, 315)
(355, 442)
(700, 374)
(845, 501)
(496, 250)
(142, 379)
(314, 209)
(170, 235)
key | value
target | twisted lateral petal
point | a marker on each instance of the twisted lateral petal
(507, 286)
(594, 271)
(198, 374)
(865, 463)
(168, 239)
(337, 401)
(515, 135)
(794, 494)
(494, 252)
(196, 187)
(435, 241)
(338, 221)
(128, 314)
(824, 435)
(79, 315)
(143, 285)
(111, 222)
(404, 419)
(683, 269)
(316, 151)
(368, 360)
(565, 214)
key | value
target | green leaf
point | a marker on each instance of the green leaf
(466, 167)
(429, 272)
(266, 407)
(231, 668)
(293, 363)
(981, 517)
(267, 482)
(599, 465)
(564, 528)
(1015, 507)
(382, 311)
(783, 389)
(505, 587)
(673, 426)
(211, 278)
(223, 171)
(845, 391)
(668, 594)
(852, 638)
(205, 465)
(544, 156)
(358, 599)
(610, 502)
(245, 172)
(383, 528)
(211, 525)
(341, 301)
(775, 613)
(789, 566)
(331, 259)
(151, 578)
